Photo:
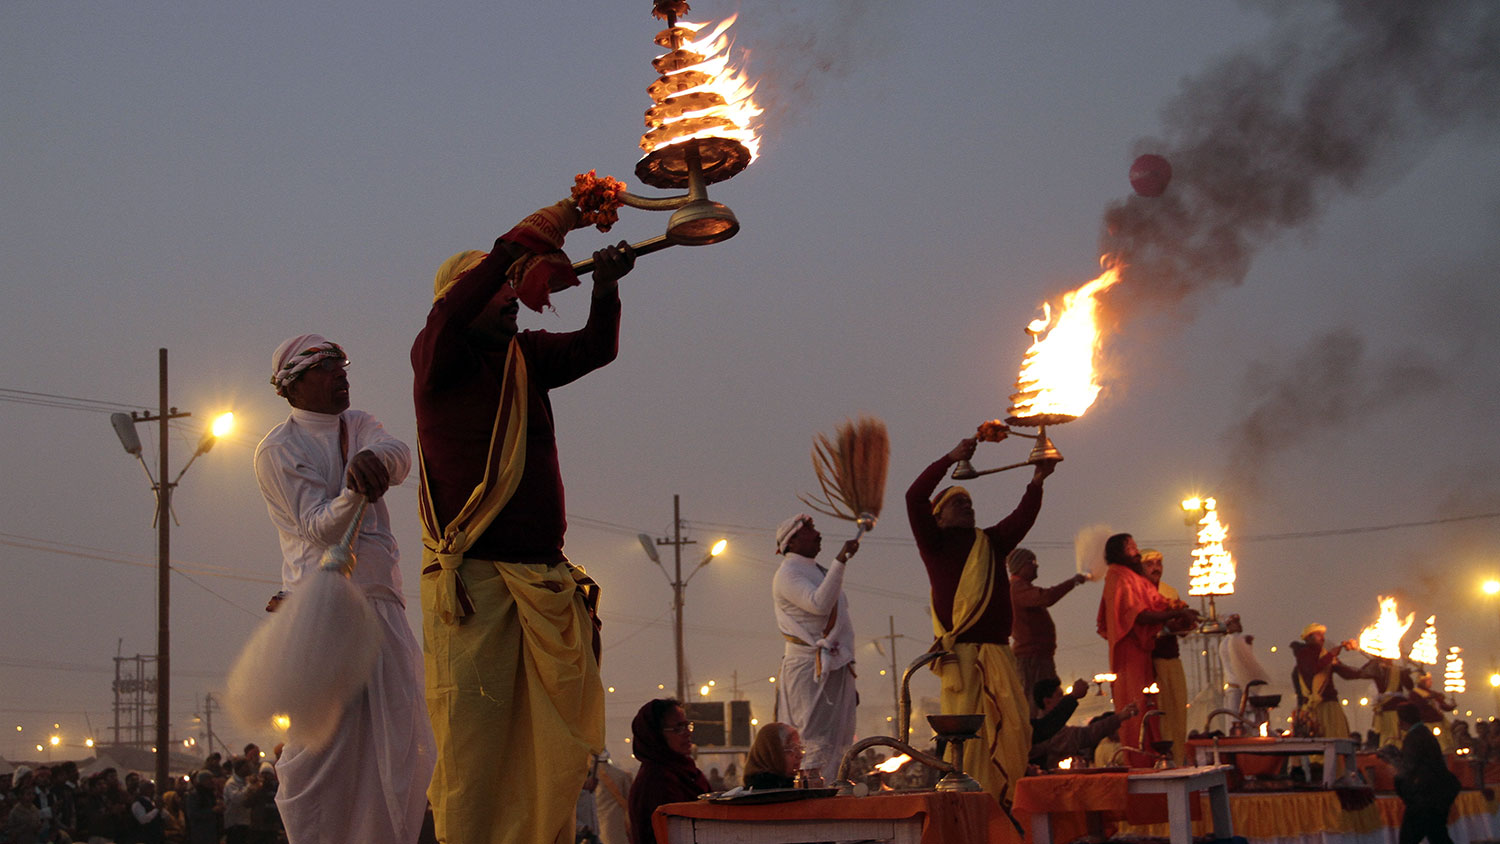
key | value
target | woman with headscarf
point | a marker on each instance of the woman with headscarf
(662, 739)
(775, 757)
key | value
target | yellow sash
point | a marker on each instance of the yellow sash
(972, 598)
(445, 547)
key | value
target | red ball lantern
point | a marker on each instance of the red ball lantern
(1150, 174)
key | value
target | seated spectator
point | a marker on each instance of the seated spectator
(775, 757)
(1055, 708)
(1082, 742)
(662, 739)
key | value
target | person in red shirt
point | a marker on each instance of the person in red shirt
(971, 615)
(510, 643)
(1033, 636)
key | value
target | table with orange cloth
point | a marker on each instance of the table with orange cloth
(906, 818)
(1061, 807)
(1201, 752)
(1317, 817)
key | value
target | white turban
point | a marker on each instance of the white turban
(786, 529)
(297, 355)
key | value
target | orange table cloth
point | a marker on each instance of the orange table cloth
(946, 817)
(1077, 801)
(1311, 815)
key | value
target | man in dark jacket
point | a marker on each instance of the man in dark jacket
(1423, 780)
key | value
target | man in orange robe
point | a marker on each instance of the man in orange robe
(1131, 614)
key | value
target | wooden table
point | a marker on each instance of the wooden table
(916, 818)
(1203, 750)
(1177, 784)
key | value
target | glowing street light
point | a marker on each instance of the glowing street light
(124, 425)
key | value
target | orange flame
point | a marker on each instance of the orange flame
(700, 95)
(1057, 373)
(1383, 638)
(893, 764)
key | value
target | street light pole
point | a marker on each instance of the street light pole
(677, 543)
(163, 576)
(124, 425)
(677, 581)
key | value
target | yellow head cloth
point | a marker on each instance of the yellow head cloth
(452, 269)
(1150, 554)
(1314, 628)
(945, 495)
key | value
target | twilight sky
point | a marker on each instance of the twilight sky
(1306, 330)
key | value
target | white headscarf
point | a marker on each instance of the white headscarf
(297, 355)
(789, 527)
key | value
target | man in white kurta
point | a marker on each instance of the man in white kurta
(816, 692)
(1241, 667)
(369, 784)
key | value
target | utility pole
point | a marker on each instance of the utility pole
(677, 542)
(208, 721)
(895, 673)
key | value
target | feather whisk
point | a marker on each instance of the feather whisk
(850, 467)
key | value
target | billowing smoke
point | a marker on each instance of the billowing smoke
(1329, 383)
(1345, 94)
(803, 46)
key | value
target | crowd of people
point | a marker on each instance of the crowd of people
(231, 801)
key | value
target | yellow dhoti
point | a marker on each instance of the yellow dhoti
(1172, 699)
(984, 678)
(516, 704)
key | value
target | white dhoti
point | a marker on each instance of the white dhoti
(822, 710)
(370, 784)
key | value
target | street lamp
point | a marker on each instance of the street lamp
(124, 425)
(678, 582)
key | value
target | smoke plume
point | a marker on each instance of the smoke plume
(1345, 94)
(1330, 383)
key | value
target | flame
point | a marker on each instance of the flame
(1104, 678)
(1152, 689)
(1383, 638)
(1057, 373)
(1425, 649)
(893, 764)
(1265, 728)
(1453, 673)
(1212, 571)
(1066, 764)
(700, 95)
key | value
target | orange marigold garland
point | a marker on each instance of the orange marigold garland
(992, 431)
(598, 199)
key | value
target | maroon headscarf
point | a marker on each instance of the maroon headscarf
(665, 776)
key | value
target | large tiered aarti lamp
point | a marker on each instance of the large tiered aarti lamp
(1212, 571)
(1453, 672)
(1424, 651)
(699, 131)
(1057, 381)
